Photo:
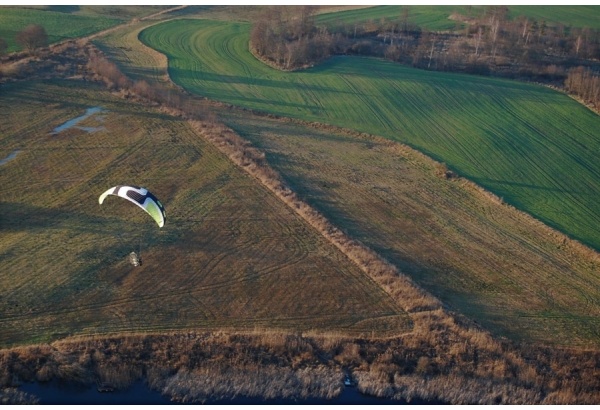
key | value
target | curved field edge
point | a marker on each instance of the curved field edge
(134, 59)
(530, 145)
(230, 256)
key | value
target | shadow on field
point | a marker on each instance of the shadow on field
(63, 9)
(30, 93)
(20, 217)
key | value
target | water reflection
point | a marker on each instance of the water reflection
(55, 393)
(71, 123)
(10, 156)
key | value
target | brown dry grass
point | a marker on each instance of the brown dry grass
(450, 365)
(230, 256)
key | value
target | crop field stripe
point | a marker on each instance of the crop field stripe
(530, 145)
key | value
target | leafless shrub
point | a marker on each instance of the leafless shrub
(349, 355)
(268, 382)
(14, 70)
(32, 37)
(118, 375)
(108, 71)
(441, 170)
(422, 364)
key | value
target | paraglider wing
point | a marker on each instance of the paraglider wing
(142, 198)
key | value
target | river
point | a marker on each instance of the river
(139, 393)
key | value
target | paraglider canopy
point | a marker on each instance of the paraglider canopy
(142, 198)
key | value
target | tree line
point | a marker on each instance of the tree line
(287, 37)
(489, 44)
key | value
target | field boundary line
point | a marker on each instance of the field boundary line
(123, 25)
(406, 293)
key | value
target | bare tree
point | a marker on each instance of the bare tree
(525, 33)
(431, 52)
(32, 37)
(584, 83)
(494, 29)
(405, 16)
(287, 36)
(478, 40)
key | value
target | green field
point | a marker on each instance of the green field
(569, 16)
(231, 255)
(430, 17)
(436, 18)
(59, 26)
(532, 146)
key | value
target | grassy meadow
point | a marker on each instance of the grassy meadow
(231, 255)
(532, 146)
(435, 18)
(58, 25)
(581, 16)
(438, 18)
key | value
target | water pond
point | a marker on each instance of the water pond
(10, 156)
(73, 122)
